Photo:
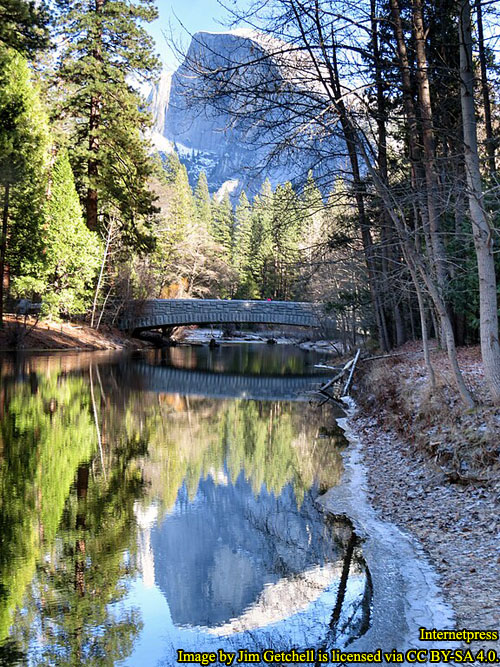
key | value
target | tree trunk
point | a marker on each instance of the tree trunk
(82, 485)
(101, 272)
(399, 323)
(434, 293)
(389, 242)
(366, 237)
(423, 177)
(488, 304)
(3, 248)
(429, 162)
(92, 166)
(92, 204)
(359, 191)
(423, 326)
(490, 141)
(335, 93)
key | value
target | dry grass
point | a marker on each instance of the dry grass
(465, 444)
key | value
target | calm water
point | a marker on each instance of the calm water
(158, 501)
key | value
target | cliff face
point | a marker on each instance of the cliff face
(158, 101)
(221, 137)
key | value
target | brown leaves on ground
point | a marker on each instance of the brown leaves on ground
(28, 334)
(465, 444)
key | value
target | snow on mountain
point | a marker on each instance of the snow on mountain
(226, 143)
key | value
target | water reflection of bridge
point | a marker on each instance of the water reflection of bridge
(169, 380)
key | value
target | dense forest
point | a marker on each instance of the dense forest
(399, 236)
(91, 217)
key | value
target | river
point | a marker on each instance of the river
(159, 501)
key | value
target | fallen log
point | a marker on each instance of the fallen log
(349, 366)
(349, 379)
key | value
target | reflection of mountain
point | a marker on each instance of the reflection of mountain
(215, 555)
(259, 554)
(168, 380)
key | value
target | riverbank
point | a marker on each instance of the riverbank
(433, 470)
(33, 335)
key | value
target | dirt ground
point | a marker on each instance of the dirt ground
(29, 334)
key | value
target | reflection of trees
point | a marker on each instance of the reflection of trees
(45, 432)
(272, 443)
(85, 572)
(349, 620)
(71, 541)
(73, 462)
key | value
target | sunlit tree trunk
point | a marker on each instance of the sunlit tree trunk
(92, 204)
(429, 161)
(481, 230)
(488, 126)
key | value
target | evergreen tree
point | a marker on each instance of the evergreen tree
(286, 237)
(172, 226)
(203, 202)
(312, 212)
(24, 141)
(181, 209)
(23, 25)
(72, 251)
(106, 46)
(260, 243)
(242, 238)
(222, 224)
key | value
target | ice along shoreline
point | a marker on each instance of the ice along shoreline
(406, 595)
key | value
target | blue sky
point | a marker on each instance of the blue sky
(195, 15)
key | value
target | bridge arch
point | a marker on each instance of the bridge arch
(171, 380)
(157, 313)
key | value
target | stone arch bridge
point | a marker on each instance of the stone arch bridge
(158, 313)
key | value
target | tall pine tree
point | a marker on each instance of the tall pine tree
(242, 238)
(105, 47)
(24, 25)
(222, 225)
(261, 241)
(72, 252)
(24, 142)
(203, 203)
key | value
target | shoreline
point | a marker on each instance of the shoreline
(451, 522)
(32, 336)
(406, 594)
(455, 520)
